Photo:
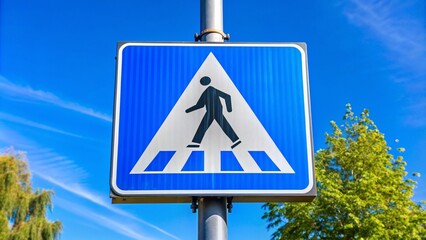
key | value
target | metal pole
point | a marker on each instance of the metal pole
(212, 218)
(211, 20)
(212, 214)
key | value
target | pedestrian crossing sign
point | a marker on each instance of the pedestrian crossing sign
(212, 119)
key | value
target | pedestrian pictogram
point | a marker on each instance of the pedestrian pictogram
(211, 100)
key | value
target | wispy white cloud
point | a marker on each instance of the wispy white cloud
(18, 92)
(64, 173)
(404, 37)
(46, 162)
(11, 138)
(108, 222)
(82, 192)
(23, 121)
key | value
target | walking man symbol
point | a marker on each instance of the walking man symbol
(211, 99)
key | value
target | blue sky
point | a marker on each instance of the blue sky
(57, 75)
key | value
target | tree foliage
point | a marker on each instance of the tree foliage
(363, 191)
(22, 211)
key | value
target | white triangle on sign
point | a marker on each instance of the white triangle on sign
(179, 128)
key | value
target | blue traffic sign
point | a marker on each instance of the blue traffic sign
(203, 119)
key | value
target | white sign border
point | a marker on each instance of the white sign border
(255, 193)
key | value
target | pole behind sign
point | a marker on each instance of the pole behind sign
(212, 214)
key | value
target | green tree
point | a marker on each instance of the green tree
(363, 191)
(22, 211)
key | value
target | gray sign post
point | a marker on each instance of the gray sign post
(212, 215)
